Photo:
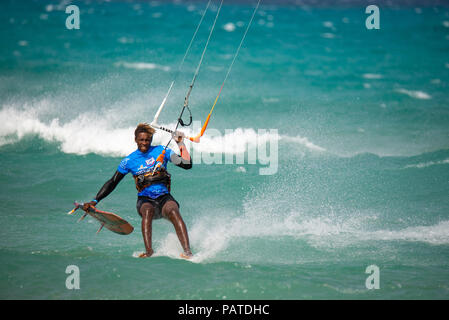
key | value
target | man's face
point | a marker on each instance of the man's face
(143, 141)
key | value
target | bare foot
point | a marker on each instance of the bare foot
(146, 254)
(186, 255)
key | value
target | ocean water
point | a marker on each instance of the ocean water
(359, 147)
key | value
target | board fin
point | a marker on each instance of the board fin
(102, 225)
(84, 215)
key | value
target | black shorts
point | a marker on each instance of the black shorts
(157, 203)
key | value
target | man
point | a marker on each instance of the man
(148, 165)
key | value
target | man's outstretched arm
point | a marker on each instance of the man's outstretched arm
(107, 188)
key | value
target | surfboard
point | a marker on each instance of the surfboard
(138, 254)
(109, 220)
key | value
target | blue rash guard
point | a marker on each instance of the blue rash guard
(138, 163)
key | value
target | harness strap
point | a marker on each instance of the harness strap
(147, 179)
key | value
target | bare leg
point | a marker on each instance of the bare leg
(170, 211)
(147, 212)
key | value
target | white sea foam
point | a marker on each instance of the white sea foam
(229, 27)
(327, 35)
(125, 40)
(415, 94)
(270, 100)
(240, 169)
(217, 235)
(435, 81)
(215, 69)
(212, 238)
(141, 66)
(91, 132)
(304, 142)
(435, 234)
(329, 24)
(266, 219)
(372, 76)
(85, 134)
(427, 164)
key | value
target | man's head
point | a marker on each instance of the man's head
(143, 135)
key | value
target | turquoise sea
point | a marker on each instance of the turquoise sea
(359, 147)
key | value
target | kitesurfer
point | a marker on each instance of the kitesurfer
(148, 164)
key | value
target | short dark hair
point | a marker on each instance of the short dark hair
(144, 127)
